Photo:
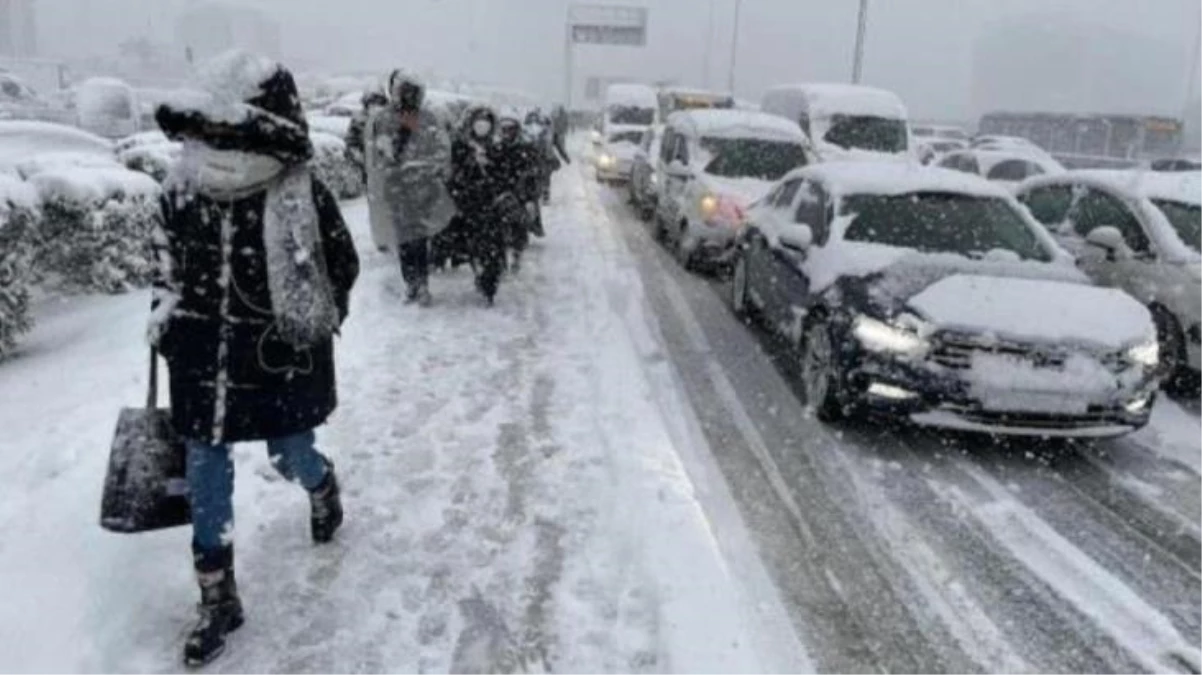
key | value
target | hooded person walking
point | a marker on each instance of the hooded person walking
(408, 162)
(476, 185)
(254, 278)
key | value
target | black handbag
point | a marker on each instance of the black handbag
(146, 487)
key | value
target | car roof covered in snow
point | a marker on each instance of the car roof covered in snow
(737, 124)
(895, 178)
(1183, 186)
(19, 140)
(631, 94)
(826, 99)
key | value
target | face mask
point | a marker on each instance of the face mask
(482, 127)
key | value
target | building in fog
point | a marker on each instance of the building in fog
(18, 29)
(210, 28)
(1053, 62)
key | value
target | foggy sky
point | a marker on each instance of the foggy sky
(923, 49)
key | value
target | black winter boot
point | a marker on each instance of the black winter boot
(326, 504)
(220, 609)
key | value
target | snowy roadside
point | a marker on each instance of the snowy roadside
(517, 500)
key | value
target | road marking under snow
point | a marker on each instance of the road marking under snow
(1113, 606)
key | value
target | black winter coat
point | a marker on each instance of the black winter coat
(475, 187)
(232, 378)
(520, 164)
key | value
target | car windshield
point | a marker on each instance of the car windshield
(1186, 220)
(864, 132)
(752, 158)
(634, 137)
(627, 114)
(942, 222)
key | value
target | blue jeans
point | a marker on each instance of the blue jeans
(211, 482)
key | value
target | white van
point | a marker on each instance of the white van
(629, 106)
(845, 121)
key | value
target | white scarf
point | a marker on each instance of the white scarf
(302, 297)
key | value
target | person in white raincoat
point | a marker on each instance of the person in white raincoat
(408, 162)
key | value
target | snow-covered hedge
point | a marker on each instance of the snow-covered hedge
(95, 227)
(18, 216)
(332, 166)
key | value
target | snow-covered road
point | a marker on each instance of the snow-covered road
(903, 550)
(517, 496)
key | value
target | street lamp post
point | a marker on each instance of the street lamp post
(734, 48)
(709, 44)
(857, 68)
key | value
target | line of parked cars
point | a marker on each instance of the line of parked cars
(980, 287)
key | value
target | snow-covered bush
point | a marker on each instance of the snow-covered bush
(96, 227)
(18, 215)
(332, 166)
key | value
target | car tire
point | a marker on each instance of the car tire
(820, 371)
(680, 251)
(1179, 380)
(740, 299)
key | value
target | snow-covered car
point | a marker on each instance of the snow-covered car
(1176, 164)
(712, 165)
(932, 296)
(615, 155)
(108, 107)
(1007, 167)
(643, 181)
(997, 142)
(929, 150)
(346, 105)
(1138, 231)
(845, 121)
(328, 124)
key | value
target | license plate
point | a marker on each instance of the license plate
(1037, 402)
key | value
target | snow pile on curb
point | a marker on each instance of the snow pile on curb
(94, 234)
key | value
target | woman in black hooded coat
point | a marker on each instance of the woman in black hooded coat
(255, 273)
(475, 185)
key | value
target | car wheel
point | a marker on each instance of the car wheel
(1174, 359)
(740, 301)
(820, 375)
(681, 250)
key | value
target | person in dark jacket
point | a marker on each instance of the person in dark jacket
(541, 131)
(476, 185)
(519, 165)
(355, 148)
(254, 278)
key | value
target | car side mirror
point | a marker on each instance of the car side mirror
(1109, 239)
(797, 237)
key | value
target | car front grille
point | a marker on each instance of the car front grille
(953, 350)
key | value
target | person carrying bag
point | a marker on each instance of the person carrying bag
(255, 269)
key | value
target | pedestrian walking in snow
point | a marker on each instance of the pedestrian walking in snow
(355, 150)
(408, 162)
(519, 161)
(254, 279)
(476, 186)
(540, 130)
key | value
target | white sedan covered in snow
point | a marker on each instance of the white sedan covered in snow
(713, 164)
(1007, 167)
(615, 154)
(931, 295)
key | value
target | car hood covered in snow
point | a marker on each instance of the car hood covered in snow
(1023, 301)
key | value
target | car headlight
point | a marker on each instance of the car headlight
(1146, 353)
(878, 336)
(606, 160)
(709, 205)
